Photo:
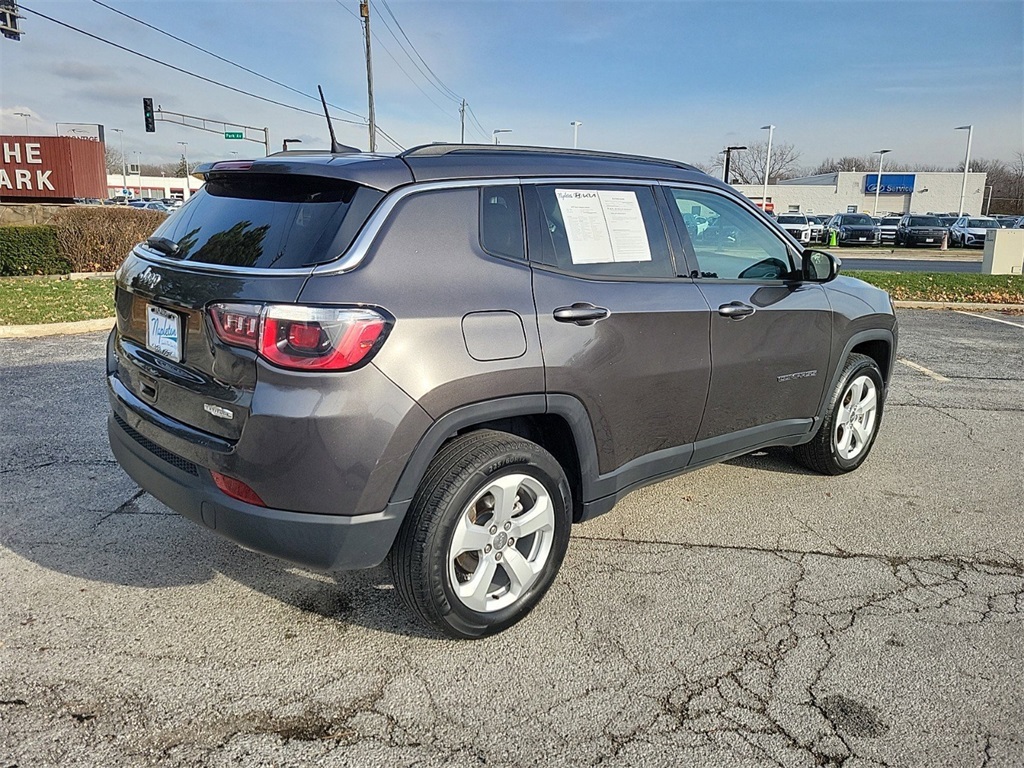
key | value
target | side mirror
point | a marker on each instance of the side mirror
(820, 266)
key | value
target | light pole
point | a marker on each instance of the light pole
(124, 167)
(728, 157)
(286, 142)
(496, 131)
(767, 166)
(967, 163)
(184, 154)
(26, 115)
(878, 182)
(575, 132)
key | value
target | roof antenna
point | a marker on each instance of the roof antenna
(336, 148)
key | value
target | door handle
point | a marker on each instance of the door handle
(737, 310)
(581, 313)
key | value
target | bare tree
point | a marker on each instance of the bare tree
(748, 165)
(114, 160)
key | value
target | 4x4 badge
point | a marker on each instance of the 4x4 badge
(218, 411)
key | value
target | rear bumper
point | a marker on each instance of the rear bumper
(324, 542)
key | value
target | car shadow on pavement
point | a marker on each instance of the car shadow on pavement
(70, 509)
(775, 459)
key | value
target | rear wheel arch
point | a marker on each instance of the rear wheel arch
(557, 423)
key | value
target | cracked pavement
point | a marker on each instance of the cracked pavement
(747, 614)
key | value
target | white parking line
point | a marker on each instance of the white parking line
(986, 317)
(922, 369)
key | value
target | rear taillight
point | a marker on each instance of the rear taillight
(237, 324)
(302, 338)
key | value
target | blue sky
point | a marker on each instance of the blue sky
(678, 79)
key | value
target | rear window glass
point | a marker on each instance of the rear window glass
(266, 220)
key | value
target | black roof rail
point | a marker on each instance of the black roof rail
(439, 150)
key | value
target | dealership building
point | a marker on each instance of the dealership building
(853, 191)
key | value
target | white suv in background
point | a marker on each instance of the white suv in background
(797, 225)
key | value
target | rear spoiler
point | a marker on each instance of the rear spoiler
(381, 172)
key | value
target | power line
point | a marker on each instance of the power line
(397, 62)
(181, 70)
(444, 89)
(198, 76)
(221, 58)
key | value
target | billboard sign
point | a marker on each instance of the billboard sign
(892, 183)
(90, 131)
(38, 168)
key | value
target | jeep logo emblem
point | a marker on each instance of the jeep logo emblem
(148, 279)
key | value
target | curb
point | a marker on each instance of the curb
(977, 307)
(56, 329)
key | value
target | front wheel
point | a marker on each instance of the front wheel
(485, 534)
(845, 437)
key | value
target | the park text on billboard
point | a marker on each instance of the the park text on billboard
(43, 168)
(892, 183)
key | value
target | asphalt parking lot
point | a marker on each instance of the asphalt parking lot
(747, 614)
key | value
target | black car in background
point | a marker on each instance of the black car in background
(853, 229)
(920, 230)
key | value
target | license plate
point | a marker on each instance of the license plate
(163, 332)
(862, 239)
(929, 239)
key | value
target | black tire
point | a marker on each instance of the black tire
(822, 453)
(463, 468)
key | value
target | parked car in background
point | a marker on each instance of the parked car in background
(1006, 222)
(947, 221)
(797, 225)
(969, 232)
(817, 227)
(853, 229)
(920, 230)
(887, 228)
(447, 357)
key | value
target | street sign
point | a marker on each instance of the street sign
(233, 135)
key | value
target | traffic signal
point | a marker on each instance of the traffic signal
(147, 110)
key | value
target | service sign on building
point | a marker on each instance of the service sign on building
(51, 168)
(892, 183)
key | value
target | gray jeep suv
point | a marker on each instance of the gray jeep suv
(448, 356)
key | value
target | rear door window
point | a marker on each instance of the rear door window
(601, 231)
(269, 221)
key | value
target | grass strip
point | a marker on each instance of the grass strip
(947, 286)
(26, 301)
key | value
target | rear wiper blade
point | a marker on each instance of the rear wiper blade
(164, 245)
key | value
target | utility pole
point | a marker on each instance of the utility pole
(462, 119)
(364, 11)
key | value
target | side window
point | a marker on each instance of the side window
(729, 241)
(501, 222)
(606, 231)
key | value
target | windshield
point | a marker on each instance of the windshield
(983, 223)
(261, 220)
(784, 219)
(890, 222)
(861, 220)
(924, 221)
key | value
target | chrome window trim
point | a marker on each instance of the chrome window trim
(371, 229)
